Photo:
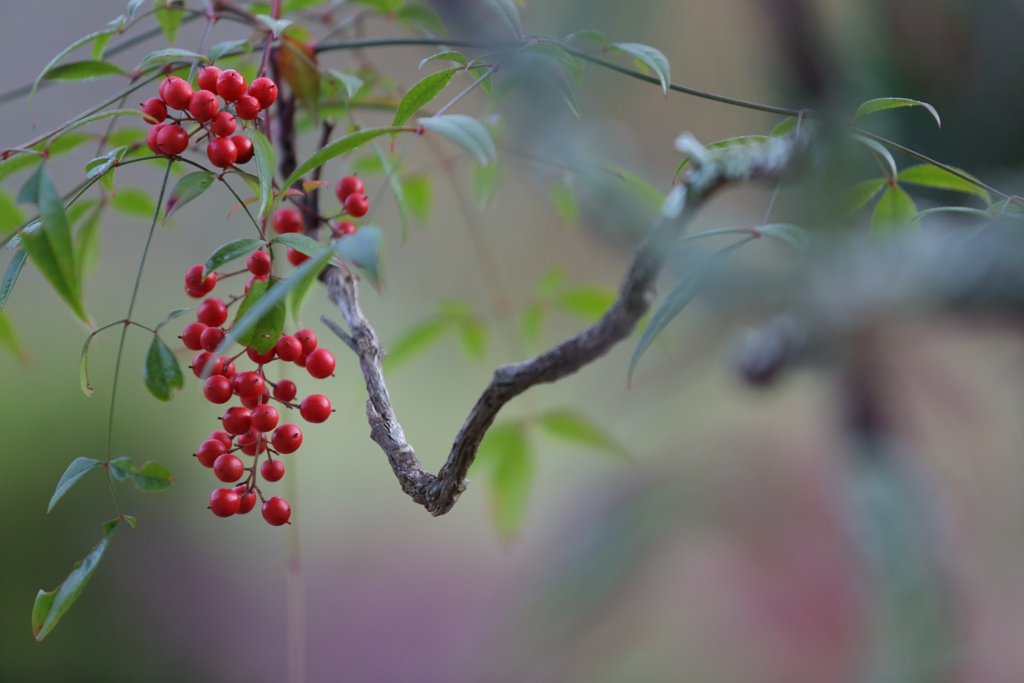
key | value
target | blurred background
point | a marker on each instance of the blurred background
(744, 540)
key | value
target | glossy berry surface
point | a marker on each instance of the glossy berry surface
(264, 90)
(308, 340)
(224, 502)
(287, 220)
(209, 451)
(276, 511)
(244, 147)
(348, 185)
(236, 420)
(212, 312)
(207, 78)
(296, 257)
(230, 85)
(222, 152)
(264, 418)
(190, 336)
(288, 348)
(315, 408)
(172, 140)
(285, 390)
(248, 500)
(357, 205)
(272, 470)
(247, 107)
(228, 468)
(320, 363)
(154, 110)
(176, 92)
(223, 124)
(203, 106)
(286, 439)
(217, 389)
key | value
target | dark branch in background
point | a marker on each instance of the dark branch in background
(438, 493)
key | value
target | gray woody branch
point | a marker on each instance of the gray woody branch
(438, 493)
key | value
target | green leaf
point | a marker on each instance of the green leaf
(895, 209)
(265, 331)
(335, 149)
(509, 15)
(50, 606)
(266, 160)
(50, 248)
(650, 57)
(297, 296)
(415, 341)
(161, 372)
(421, 18)
(100, 165)
(133, 201)
(417, 196)
(883, 103)
(152, 476)
(786, 233)
(473, 335)
(739, 141)
(448, 56)
(83, 369)
(486, 181)
(229, 251)
(927, 175)
(860, 194)
(351, 83)
(586, 35)
(176, 313)
(985, 215)
(299, 242)
(784, 127)
(636, 187)
(187, 188)
(276, 26)
(506, 451)
(563, 195)
(11, 217)
(466, 132)
(676, 300)
(60, 56)
(227, 47)
(11, 276)
(551, 282)
(880, 150)
(9, 338)
(586, 303)
(169, 56)
(133, 7)
(169, 16)
(78, 468)
(422, 93)
(87, 70)
(92, 118)
(397, 191)
(571, 426)
(362, 249)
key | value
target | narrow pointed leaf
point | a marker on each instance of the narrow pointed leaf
(466, 132)
(133, 7)
(11, 276)
(895, 209)
(586, 35)
(860, 194)
(448, 56)
(297, 296)
(509, 15)
(351, 83)
(505, 451)
(651, 57)
(83, 369)
(11, 217)
(335, 149)
(963, 210)
(50, 606)
(87, 70)
(927, 175)
(133, 201)
(102, 164)
(187, 188)
(418, 197)
(473, 335)
(227, 47)
(161, 372)
(533, 318)
(169, 15)
(397, 189)
(265, 331)
(266, 160)
(571, 426)
(884, 103)
(421, 94)
(299, 242)
(60, 56)
(230, 251)
(152, 476)
(881, 151)
(786, 233)
(176, 313)
(9, 339)
(169, 56)
(276, 26)
(362, 249)
(78, 468)
(784, 127)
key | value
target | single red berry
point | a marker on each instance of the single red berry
(285, 390)
(203, 359)
(247, 107)
(286, 439)
(260, 358)
(190, 336)
(348, 185)
(230, 85)
(194, 276)
(172, 140)
(264, 418)
(264, 90)
(207, 78)
(251, 402)
(286, 220)
(276, 511)
(252, 442)
(196, 285)
(224, 502)
(223, 437)
(308, 340)
(315, 408)
(217, 389)
(221, 152)
(248, 383)
(154, 111)
(288, 348)
(212, 312)
(320, 363)
(203, 106)
(272, 470)
(209, 451)
(296, 257)
(211, 338)
(258, 263)
(248, 501)
(227, 367)
(236, 420)
(223, 124)
(244, 147)
(343, 228)
(151, 137)
(357, 205)
(176, 92)
(228, 468)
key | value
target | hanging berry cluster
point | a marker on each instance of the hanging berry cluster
(216, 119)
(252, 428)
(350, 192)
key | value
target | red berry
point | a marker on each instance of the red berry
(308, 340)
(315, 408)
(343, 228)
(248, 384)
(203, 106)
(247, 107)
(172, 140)
(190, 336)
(236, 420)
(228, 468)
(212, 312)
(301, 360)
(217, 389)
(296, 257)
(154, 111)
(286, 439)
(194, 277)
(211, 338)
(264, 90)
(223, 124)
(223, 437)
(348, 185)
(248, 501)
(230, 85)
(258, 263)
(264, 418)
(357, 204)
(207, 78)
(288, 348)
(287, 220)
(151, 137)
(260, 358)
(320, 363)
(252, 442)
(272, 470)
(209, 451)
(227, 367)
(285, 390)
(203, 359)
(244, 147)
(276, 511)
(224, 502)
(176, 92)
(221, 152)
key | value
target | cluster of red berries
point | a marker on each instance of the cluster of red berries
(250, 429)
(216, 120)
(350, 192)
